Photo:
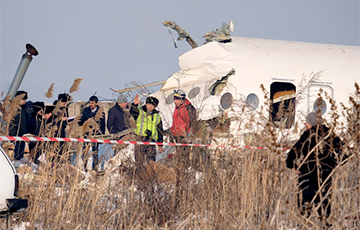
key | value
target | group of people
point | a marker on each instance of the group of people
(39, 119)
(148, 122)
(313, 157)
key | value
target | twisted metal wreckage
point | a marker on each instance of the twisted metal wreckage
(223, 78)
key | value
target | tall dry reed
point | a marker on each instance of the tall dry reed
(225, 188)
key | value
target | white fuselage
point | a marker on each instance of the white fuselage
(287, 70)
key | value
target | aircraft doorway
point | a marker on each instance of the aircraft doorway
(282, 95)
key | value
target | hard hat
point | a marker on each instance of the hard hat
(180, 94)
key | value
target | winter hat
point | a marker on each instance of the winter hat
(20, 92)
(28, 105)
(38, 105)
(121, 99)
(152, 100)
(64, 97)
(313, 120)
(49, 108)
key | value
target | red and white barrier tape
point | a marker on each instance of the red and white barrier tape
(62, 139)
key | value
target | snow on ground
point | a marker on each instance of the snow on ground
(21, 226)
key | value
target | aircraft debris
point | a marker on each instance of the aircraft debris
(222, 34)
(181, 32)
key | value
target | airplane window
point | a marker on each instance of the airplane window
(226, 100)
(320, 104)
(170, 99)
(252, 101)
(194, 92)
(282, 96)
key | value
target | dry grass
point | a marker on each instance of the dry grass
(223, 189)
(50, 91)
(76, 85)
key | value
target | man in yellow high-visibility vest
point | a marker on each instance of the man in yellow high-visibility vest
(148, 128)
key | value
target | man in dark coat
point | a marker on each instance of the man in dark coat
(63, 100)
(314, 157)
(36, 126)
(117, 117)
(18, 127)
(60, 119)
(91, 112)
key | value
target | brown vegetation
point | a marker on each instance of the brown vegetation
(50, 91)
(223, 189)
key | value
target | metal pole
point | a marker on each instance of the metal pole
(20, 72)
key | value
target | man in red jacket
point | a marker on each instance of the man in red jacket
(184, 119)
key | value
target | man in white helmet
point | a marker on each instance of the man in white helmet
(184, 119)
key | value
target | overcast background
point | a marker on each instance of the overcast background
(113, 43)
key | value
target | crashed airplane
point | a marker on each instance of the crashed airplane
(224, 78)
(229, 76)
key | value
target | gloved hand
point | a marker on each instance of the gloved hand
(148, 133)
